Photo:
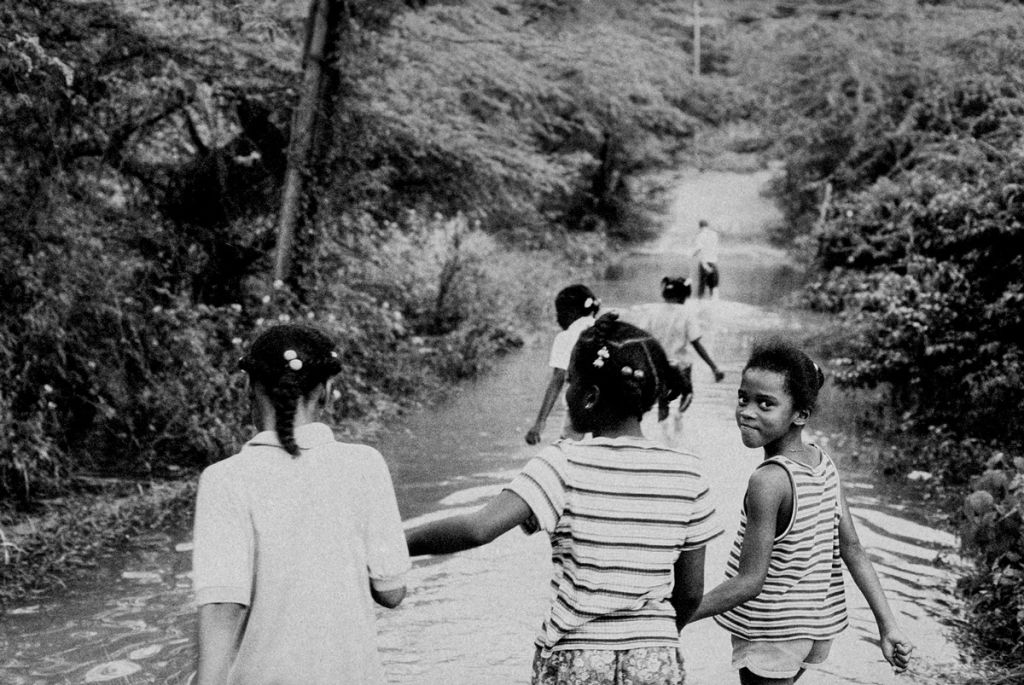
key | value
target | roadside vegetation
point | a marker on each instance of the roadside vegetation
(462, 150)
(902, 131)
(466, 149)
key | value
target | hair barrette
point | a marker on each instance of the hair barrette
(292, 357)
(602, 354)
(629, 371)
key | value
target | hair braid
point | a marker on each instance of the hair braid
(284, 403)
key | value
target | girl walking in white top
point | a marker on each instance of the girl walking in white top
(296, 536)
(628, 521)
(575, 308)
(675, 325)
(783, 598)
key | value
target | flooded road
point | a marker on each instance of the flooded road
(471, 617)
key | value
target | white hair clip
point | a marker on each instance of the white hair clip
(292, 357)
(628, 371)
(588, 303)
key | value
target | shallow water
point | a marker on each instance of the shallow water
(471, 617)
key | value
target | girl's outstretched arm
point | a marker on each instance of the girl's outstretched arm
(699, 346)
(766, 491)
(896, 648)
(456, 533)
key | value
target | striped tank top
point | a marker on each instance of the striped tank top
(803, 594)
(618, 511)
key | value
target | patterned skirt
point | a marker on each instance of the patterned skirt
(642, 666)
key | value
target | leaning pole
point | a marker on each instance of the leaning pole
(301, 139)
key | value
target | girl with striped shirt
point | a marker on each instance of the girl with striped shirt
(783, 598)
(628, 521)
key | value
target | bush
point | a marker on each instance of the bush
(98, 376)
(929, 277)
(446, 285)
(104, 372)
(994, 532)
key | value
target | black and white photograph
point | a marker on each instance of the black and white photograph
(520, 342)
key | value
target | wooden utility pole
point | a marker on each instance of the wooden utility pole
(696, 38)
(302, 134)
(826, 202)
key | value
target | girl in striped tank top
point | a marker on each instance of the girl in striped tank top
(628, 520)
(783, 597)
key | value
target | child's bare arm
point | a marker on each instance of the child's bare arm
(896, 648)
(699, 346)
(766, 491)
(219, 626)
(505, 511)
(551, 395)
(689, 584)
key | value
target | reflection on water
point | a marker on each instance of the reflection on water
(471, 617)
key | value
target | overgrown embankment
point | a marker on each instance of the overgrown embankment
(902, 132)
(468, 150)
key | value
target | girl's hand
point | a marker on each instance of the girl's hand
(533, 435)
(896, 649)
(663, 409)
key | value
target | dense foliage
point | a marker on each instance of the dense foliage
(904, 186)
(143, 150)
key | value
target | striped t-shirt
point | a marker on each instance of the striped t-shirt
(618, 512)
(803, 594)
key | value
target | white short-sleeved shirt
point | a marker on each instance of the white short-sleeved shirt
(673, 325)
(706, 246)
(298, 541)
(618, 511)
(565, 341)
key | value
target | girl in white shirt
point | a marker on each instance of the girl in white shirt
(296, 536)
(575, 309)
